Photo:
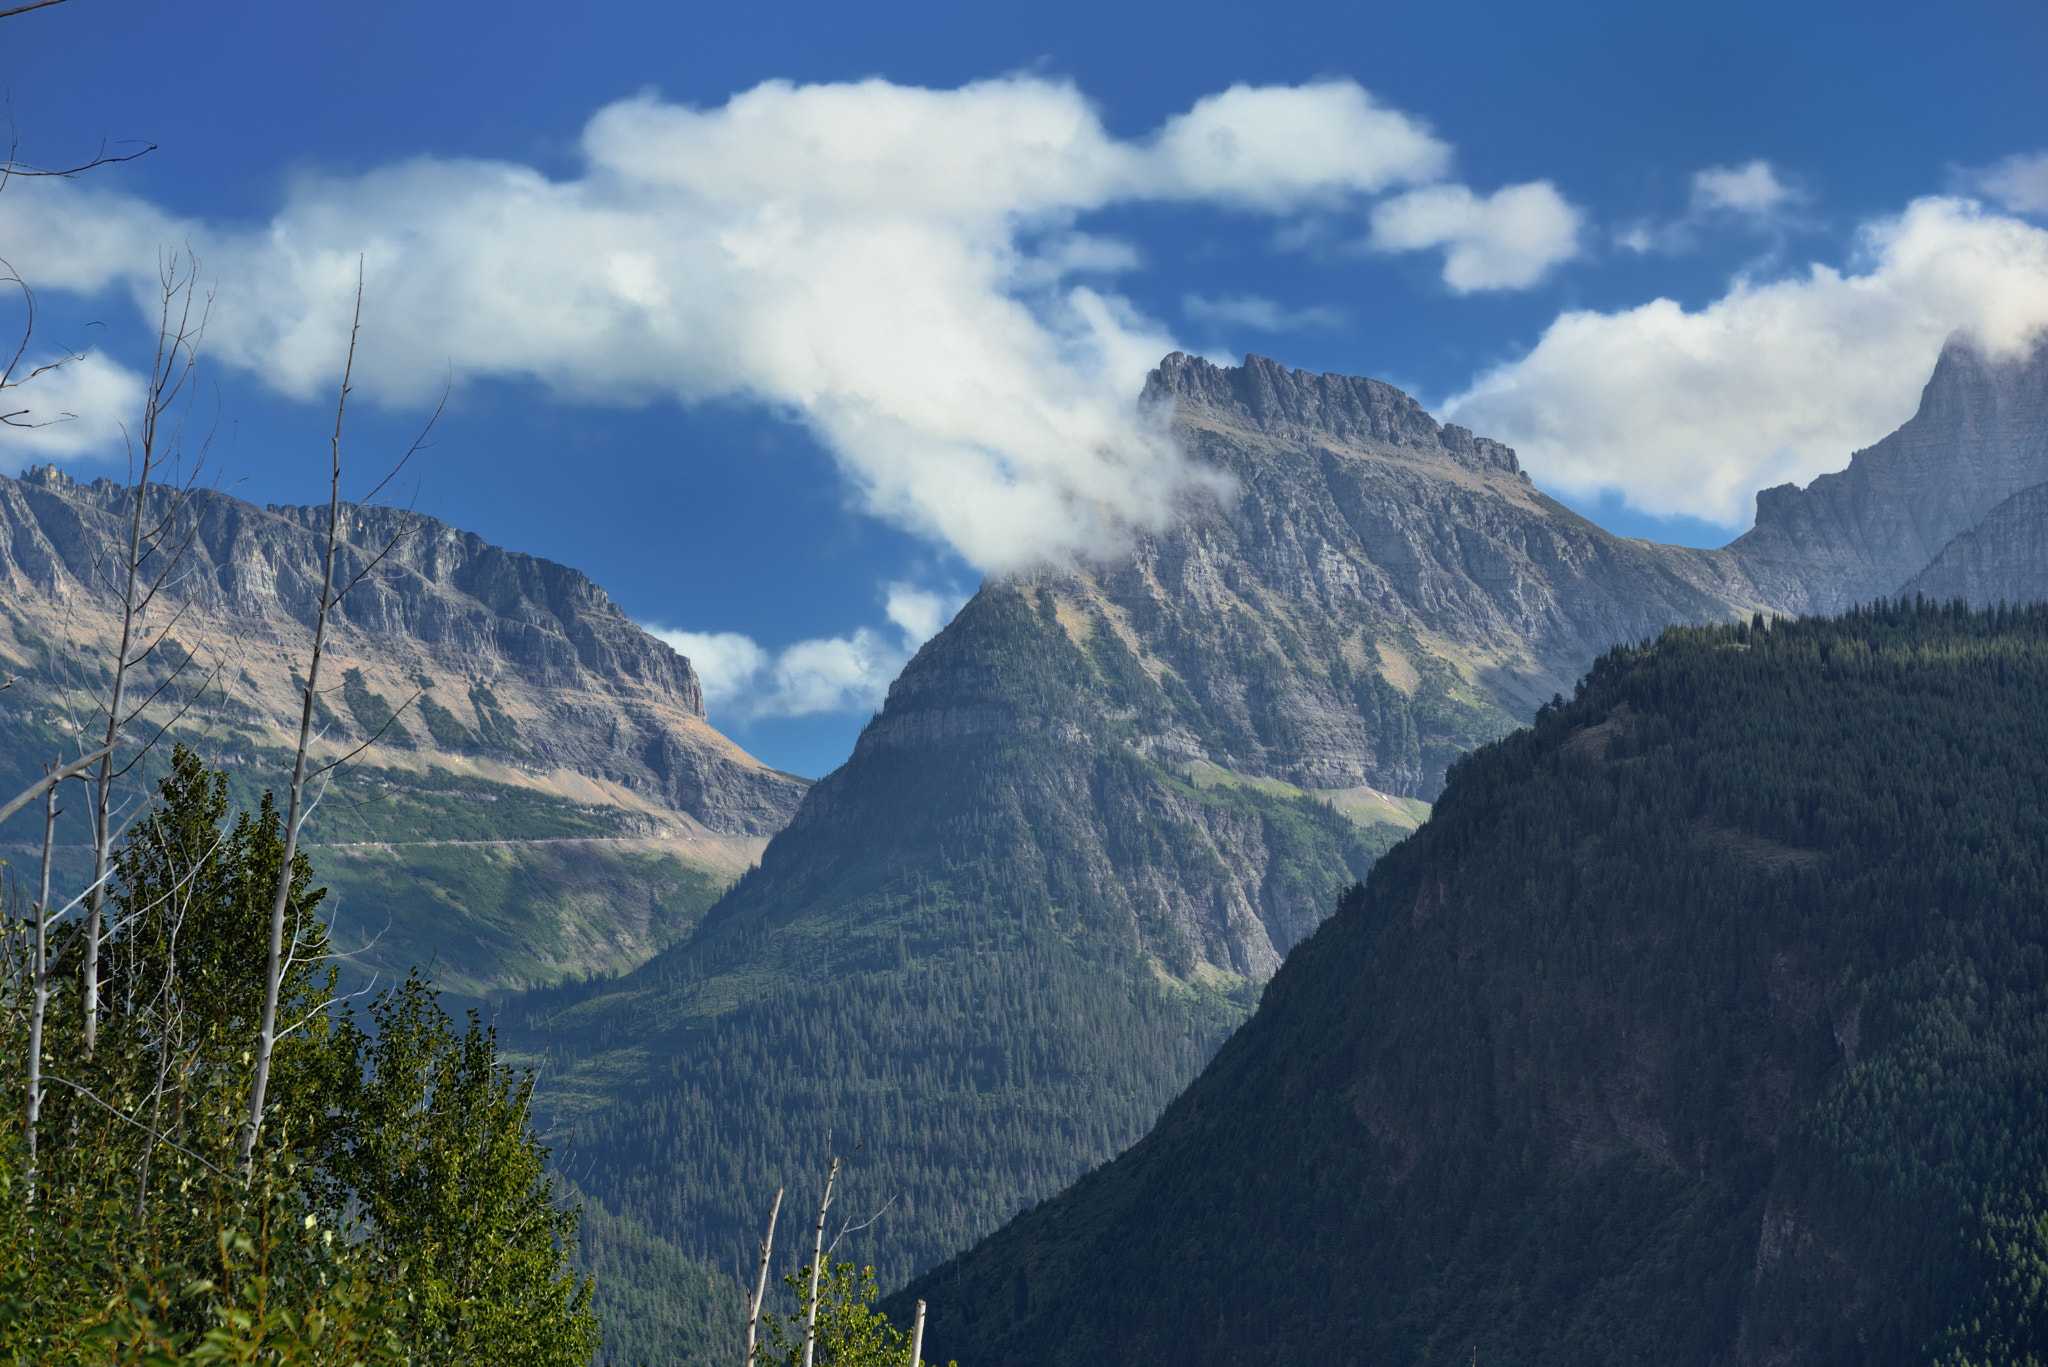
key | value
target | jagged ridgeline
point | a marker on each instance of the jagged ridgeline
(1704, 1022)
(1094, 814)
(541, 795)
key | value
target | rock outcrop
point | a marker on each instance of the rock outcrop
(1383, 593)
(512, 658)
(1980, 436)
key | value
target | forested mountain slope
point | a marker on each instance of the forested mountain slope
(1704, 1022)
(551, 801)
(1094, 813)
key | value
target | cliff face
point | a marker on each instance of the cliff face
(514, 659)
(2003, 559)
(1981, 436)
(1384, 592)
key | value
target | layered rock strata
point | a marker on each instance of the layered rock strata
(447, 644)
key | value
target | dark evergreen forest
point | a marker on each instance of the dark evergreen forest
(1705, 1022)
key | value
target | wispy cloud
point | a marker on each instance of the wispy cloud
(1755, 196)
(2019, 182)
(745, 681)
(1258, 313)
(1752, 188)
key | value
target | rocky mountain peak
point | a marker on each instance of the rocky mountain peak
(515, 660)
(1278, 402)
(1980, 436)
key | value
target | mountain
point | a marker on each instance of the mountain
(2003, 559)
(544, 795)
(1702, 1023)
(1979, 437)
(1094, 813)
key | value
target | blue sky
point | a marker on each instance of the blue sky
(787, 367)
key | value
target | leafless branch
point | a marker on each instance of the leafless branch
(24, 9)
(761, 1283)
(52, 779)
(850, 1228)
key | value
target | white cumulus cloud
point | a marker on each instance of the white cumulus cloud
(744, 681)
(1506, 240)
(1692, 411)
(896, 267)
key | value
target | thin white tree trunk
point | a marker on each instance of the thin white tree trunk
(761, 1282)
(917, 1338)
(818, 1266)
(39, 990)
(273, 965)
(172, 366)
(103, 788)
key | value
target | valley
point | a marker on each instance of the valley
(1095, 815)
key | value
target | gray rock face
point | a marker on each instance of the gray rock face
(1981, 436)
(1383, 593)
(2003, 559)
(528, 662)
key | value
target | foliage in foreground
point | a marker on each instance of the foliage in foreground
(398, 1210)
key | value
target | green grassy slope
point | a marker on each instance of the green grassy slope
(496, 885)
(1704, 1022)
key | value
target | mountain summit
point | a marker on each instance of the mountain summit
(1980, 437)
(516, 659)
(543, 796)
(1095, 812)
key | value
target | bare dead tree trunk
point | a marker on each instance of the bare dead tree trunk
(273, 966)
(39, 988)
(761, 1282)
(275, 961)
(171, 368)
(818, 1264)
(917, 1337)
(103, 786)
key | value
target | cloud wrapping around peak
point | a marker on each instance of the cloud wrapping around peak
(1691, 412)
(896, 267)
(1507, 240)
